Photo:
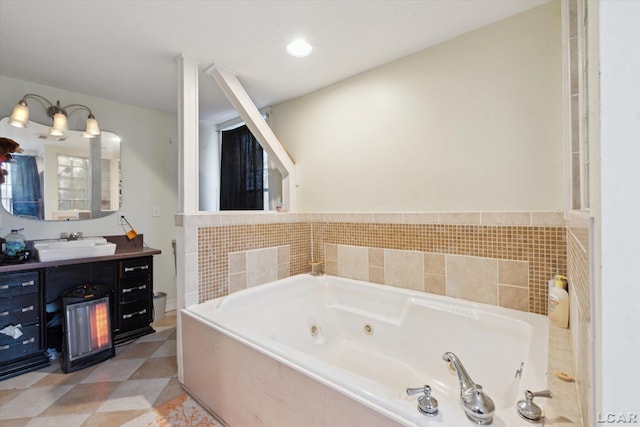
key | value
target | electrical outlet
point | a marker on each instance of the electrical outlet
(121, 218)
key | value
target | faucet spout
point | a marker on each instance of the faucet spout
(466, 383)
(478, 406)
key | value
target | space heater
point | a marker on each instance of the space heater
(86, 327)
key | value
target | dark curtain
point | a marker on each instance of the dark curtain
(241, 171)
(25, 187)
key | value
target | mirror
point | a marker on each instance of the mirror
(65, 178)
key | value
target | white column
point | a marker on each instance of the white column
(188, 125)
(619, 289)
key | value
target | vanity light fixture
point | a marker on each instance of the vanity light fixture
(299, 48)
(20, 116)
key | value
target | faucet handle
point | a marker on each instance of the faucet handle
(529, 410)
(427, 405)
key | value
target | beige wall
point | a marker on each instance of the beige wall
(471, 124)
(149, 150)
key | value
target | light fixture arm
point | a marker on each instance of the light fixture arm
(77, 107)
(46, 104)
(58, 113)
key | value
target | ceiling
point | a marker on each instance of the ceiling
(126, 50)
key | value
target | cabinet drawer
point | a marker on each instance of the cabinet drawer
(14, 284)
(28, 332)
(135, 267)
(134, 315)
(23, 309)
(135, 288)
(27, 344)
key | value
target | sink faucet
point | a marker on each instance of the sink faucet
(71, 236)
(478, 407)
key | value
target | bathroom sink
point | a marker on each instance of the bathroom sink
(56, 250)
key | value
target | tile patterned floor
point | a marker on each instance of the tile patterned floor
(117, 391)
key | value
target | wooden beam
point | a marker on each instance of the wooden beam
(235, 93)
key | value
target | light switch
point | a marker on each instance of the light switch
(156, 211)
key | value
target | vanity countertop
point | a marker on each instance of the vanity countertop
(125, 249)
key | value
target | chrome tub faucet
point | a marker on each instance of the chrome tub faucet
(478, 406)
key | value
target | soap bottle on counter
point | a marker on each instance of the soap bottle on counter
(15, 242)
(559, 303)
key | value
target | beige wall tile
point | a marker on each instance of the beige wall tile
(330, 252)
(388, 218)
(376, 274)
(435, 284)
(434, 263)
(284, 270)
(262, 266)
(466, 218)
(235, 218)
(505, 218)
(404, 269)
(237, 262)
(555, 219)
(353, 262)
(421, 217)
(331, 268)
(284, 254)
(237, 282)
(514, 273)
(513, 297)
(472, 278)
(376, 257)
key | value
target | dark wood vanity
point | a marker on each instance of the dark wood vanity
(29, 293)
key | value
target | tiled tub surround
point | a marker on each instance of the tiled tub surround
(509, 239)
(538, 239)
(542, 248)
(258, 266)
(216, 243)
(578, 258)
(485, 280)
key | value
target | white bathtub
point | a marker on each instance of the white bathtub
(331, 351)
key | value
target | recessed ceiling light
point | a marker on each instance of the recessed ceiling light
(299, 48)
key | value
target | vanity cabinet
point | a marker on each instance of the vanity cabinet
(30, 297)
(21, 307)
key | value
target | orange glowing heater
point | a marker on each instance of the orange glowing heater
(87, 327)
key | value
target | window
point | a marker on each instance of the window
(7, 193)
(244, 171)
(73, 183)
